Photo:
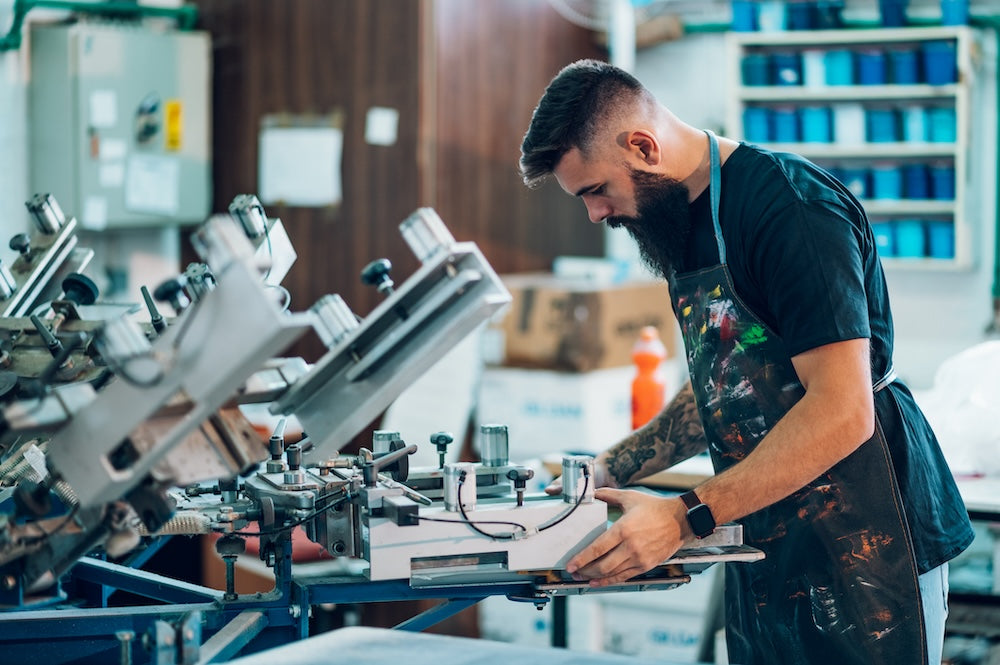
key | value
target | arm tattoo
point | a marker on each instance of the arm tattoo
(671, 437)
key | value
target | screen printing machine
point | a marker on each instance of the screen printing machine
(121, 427)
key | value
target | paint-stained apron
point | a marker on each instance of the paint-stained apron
(839, 581)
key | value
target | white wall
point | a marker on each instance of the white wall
(936, 313)
(13, 137)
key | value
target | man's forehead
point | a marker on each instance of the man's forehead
(574, 171)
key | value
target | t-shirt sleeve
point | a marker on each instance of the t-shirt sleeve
(807, 261)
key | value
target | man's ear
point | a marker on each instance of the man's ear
(645, 145)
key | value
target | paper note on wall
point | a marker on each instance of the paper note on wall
(300, 164)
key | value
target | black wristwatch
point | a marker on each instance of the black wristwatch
(699, 516)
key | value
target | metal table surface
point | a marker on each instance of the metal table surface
(376, 646)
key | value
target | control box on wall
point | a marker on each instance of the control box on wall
(120, 123)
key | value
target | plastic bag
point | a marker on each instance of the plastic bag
(963, 407)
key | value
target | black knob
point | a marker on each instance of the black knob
(376, 274)
(172, 291)
(441, 441)
(20, 243)
(230, 545)
(520, 476)
(80, 289)
(293, 454)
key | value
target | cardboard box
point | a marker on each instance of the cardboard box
(504, 620)
(665, 625)
(579, 325)
(548, 412)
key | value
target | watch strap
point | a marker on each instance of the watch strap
(690, 499)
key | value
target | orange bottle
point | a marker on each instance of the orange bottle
(649, 385)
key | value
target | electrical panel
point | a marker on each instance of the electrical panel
(120, 123)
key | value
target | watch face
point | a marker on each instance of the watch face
(701, 520)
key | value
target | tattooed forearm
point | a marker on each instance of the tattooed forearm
(673, 436)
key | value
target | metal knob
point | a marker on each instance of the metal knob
(80, 289)
(376, 274)
(441, 441)
(21, 244)
(172, 291)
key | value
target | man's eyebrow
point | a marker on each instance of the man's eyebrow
(585, 189)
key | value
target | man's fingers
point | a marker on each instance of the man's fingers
(586, 557)
(612, 496)
(623, 574)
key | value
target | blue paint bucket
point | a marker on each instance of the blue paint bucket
(916, 181)
(940, 66)
(756, 69)
(943, 182)
(757, 124)
(771, 16)
(787, 68)
(856, 181)
(892, 13)
(887, 182)
(839, 67)
(885, 239)
(904, 66)
(882, 126)
(800, 15)
(744, 15)
(786, 125)
(942, 125)
(940, 239)
(915, 124)
(871, 67)
(817, 124)
(954, 12)
(911, 241)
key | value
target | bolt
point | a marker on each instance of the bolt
(295, 611)
(9, 582)
(125, 638)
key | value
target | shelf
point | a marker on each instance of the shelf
(908, 207)
(851, 93)
(934, 110)
(868, 151)
(806, 39)
(922, 264)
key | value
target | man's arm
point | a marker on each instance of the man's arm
(833, 418)
(671, 437)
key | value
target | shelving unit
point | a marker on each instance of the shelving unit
(851, 148)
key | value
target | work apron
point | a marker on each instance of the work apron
(839, 581)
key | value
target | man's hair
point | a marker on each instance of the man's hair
(576, 103)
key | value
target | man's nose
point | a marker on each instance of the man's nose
(597, 211)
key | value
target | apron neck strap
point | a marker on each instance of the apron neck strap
(715, 191)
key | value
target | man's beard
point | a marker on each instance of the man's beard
(662, 222)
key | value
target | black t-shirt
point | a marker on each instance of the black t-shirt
(802, 257)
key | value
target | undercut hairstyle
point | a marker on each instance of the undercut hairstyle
(575, 106)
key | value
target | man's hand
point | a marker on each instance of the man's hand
(649, 531)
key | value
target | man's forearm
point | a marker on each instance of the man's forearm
(671, 437)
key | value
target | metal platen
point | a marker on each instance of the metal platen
(453, 292)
